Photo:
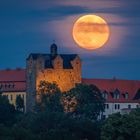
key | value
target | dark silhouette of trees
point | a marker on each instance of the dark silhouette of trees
(122, 127)
(84, 101)
(19, 103)
(48, 97)
(66, 116)
(7, 111)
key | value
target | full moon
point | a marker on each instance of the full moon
(91, 32)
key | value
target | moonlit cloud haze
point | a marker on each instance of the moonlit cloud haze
(31, 26)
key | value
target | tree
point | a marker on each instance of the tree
(86, 101)
(53, 123)
(122, 127)
(48, 97)
(7, 111)
(19, 103)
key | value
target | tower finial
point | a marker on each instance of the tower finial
(53, 50)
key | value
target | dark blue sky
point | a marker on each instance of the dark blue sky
(31, 26)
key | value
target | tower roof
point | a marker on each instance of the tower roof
(67, 58)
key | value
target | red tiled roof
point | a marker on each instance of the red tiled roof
(13, 75)
(12, 80)
(111, 85)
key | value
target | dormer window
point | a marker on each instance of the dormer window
(126, 95)
(116, 94)
(105, 94)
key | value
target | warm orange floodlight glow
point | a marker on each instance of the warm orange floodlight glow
(91, 32)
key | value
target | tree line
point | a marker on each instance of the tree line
(73, 115)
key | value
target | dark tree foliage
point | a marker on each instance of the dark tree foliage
(88, 101)
(49, 97)
(50, 122)
(60, 126)
(122, 127)
(19, 103)
(7, 111)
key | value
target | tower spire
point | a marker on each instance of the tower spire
(53, 50)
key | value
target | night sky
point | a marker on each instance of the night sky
(30, 26)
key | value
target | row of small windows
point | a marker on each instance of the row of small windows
(7, 85)
(115, 95)
(117, 106)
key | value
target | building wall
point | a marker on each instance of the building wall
(31, 72)
(13, 95)
(111, 108)
(65, 78)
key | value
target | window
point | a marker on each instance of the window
(126, 95)
(116, 94)
(129, 106)
(105, 95)
(115, 106)
(118, 106)
(107, 106)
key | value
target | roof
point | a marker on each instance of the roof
(123, 86)
(12, 80)
(12, 75)
(67, 58)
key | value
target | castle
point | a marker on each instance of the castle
(64, 69)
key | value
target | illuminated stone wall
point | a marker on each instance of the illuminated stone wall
(64, 74)
(65, 78)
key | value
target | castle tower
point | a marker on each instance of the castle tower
(64, 69)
